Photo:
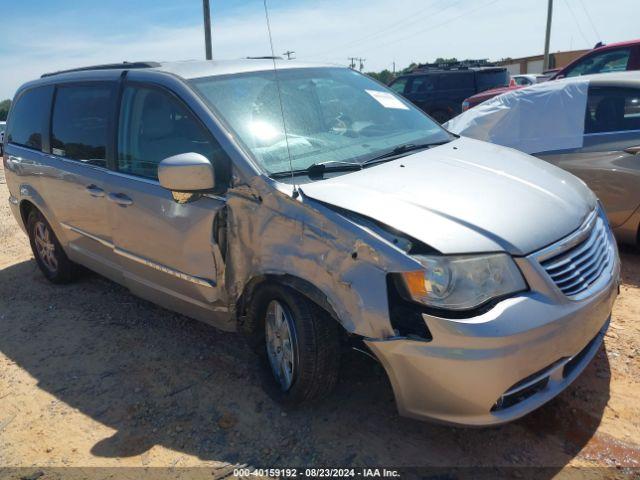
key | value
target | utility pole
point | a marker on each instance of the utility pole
(288, 53)
(353, 60)
(207, 29)
(545, 64)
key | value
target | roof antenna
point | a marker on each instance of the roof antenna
(284, 124)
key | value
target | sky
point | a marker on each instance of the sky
(39, 36)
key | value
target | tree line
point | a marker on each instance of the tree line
(4, 109)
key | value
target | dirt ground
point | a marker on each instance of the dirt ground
(92, 376)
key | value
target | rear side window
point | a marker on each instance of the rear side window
(28, 118)
(488, 79)
(456, 81)
(612, 109)
(80, 122)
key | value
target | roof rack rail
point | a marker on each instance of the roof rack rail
(457, 65)
(107, 66)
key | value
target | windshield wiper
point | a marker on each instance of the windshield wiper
(319, 169)
(402, 150)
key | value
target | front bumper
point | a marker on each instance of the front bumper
(499, 366)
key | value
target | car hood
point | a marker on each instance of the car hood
(465, 196)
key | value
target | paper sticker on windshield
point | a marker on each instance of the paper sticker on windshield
(387, 100)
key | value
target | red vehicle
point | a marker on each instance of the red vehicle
(486, 95)
(614, 57)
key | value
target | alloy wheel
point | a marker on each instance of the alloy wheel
(280, 339)
(45, 247)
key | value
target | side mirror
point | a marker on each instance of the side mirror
(186, 173)
(1, 143)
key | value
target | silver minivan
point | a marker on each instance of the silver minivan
(312, 209)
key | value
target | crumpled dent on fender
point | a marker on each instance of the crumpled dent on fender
(272, 233)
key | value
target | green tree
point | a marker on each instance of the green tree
(385, 76)
(411, 66)
(4, 109)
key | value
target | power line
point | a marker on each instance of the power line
(593, 25)
(441, 24)
(576, 22)
(399, 24)
(394, 26)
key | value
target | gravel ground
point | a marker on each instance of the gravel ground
(91, 376)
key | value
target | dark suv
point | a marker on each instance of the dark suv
(439, 91)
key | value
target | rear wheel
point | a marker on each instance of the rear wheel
(51, 259)
(300, 341)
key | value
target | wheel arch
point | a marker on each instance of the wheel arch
(26, 207)
(32, 201)
(300, 285)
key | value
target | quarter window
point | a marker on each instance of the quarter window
(29, 117)
(611, 109)
(399, 85)
(80, 123)
(154, 126)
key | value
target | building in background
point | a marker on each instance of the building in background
(533, 64)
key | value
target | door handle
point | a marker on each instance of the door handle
(120, 198)
(95, 191)
(633, 150)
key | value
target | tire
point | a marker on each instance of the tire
(314, 339)
(49, 255)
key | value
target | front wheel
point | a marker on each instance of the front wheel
(301, 343)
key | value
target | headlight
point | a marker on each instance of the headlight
(461, 282)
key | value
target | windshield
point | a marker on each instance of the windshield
(331, 115)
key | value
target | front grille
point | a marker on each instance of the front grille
(578, 268)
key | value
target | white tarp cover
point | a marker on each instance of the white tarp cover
(544, 117)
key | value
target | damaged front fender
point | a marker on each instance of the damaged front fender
(271, 233)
